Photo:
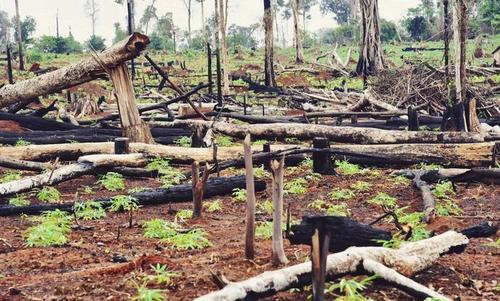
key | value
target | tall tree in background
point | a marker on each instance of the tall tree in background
(91, 9)
(223, 43)
(203, 25)
(299, 53)
(19, 37)
(305, 7)
(340, 9)
(149, 14)
(187, 4)
(270, 80)
(371, 58)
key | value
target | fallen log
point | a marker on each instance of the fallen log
(85, 165)
(22, 164)
(335, 134)
(457, 175)
(408, 260)
(175, 194)
(37, 123)
(85, 70)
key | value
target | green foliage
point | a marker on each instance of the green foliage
(384, 200)
(239, 195)
(339, 9)
(261, 173)
(169, 176)
(183, 141)
(347, 168)
(489, 14)
(51, 231)
(242, 36)
(214, 206)
(400, 180)
(337, 210)
(224, 141)
(89, 210)
(350, 289)
(112, 181)
(158, 228)
(161, 275)
(447, 207)
(361, 186)
(259, 142)
(192, 240)
(147, 294)
(429, 166)
(184, 214)
(96, 42)
(296, 186)
(264, 230)
(388, 31)
(49, 195)
(19, 200)
(443, 190)
(266, 206)
(11, 175)
(123, 203)
(343, 34)
(318, 204)
(341, 194)
(22, 142)
(86, 189)
(51, 44)
(307, 163)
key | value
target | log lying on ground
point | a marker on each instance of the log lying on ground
(75, 74)
(335, 134)
(71, 151)
(484, 175)
(408, 260)
(37, 123)
(174, 194)
(85, 165)
(22, 164)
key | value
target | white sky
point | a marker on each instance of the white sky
(241, 12)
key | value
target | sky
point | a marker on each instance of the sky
(241, 12)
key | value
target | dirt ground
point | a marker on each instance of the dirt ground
(84, 269)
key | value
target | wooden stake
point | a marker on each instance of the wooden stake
(279, 256)
(9, 66)
(250, 211)
(198, 187)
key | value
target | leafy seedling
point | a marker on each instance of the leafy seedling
(9, 176)
(184, 214)
(49, 195)
(183, 141)
(296, 186)
(161, 275)
(361, 186)
(214, 206)
(384, 200)
(346, 168)
(19, 200)
(52, 230)
(124, 203)
(112, 181)
(239, 195)
(89, 210)
(341, 194)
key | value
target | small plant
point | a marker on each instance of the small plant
(192, 240)
(125, 203)
(264, 230)
(260, 142)
(261, 173)
(214, 206)
(112, 181)
(307, 162)
(22, 142)
(86, 189)
(350, 289)
(443, 190)
(169, 176)
(384, 200)
(158, 228)
(347, 168)
(266, 206)
(296, 186)
(146, 294)
(239, 195)
(184, 214)
(313, 176)
(89, 210)
(318, 204)
(495, 244)
(401, 180)
(19, 200)
(361, 186)
(447, 208)
(183, 141)
(136, 190)
(341, 194)
(429, 166)
(224, 141)
(49, 195)
(292, 140)
(337, 210)
(52, 230)
(9, 176)
(161, 275)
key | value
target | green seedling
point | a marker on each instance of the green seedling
(296, 186)
(361, 186)
(341, 194)
(183, 141)
(19, 200)
(214, 206)
(239, 195)
(49, 195)
(346, 168)
(112, 181)
(9, 176)
(124, 203)
(89, 210)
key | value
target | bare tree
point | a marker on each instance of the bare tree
(277, 167)
(223, 43)
(19, 37)
(91, 9)
(187, 4)
(371, 58)
(270, 80)
(149, 14)
(299, 53)
(204, 27)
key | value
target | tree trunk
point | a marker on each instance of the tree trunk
(279, 256)
(198, 187)
(19, 39)
(299, 53)
(223, 45)
(270, 80)
(86, 70)
(250, 209)
(131, 123)
(371, 58)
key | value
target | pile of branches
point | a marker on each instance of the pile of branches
(423, 86)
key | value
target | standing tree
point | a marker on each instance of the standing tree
(91, 9)
(203, 25)
(340, 9)
(187, 4)
(305, 7)
(270, 80)
(19, 37)
(371, 58)
(222, 22)
(149, 14)
(299, 53)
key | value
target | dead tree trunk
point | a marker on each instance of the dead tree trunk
(86, 70)
(279, 256)
(371, 58)
(223, 45)
(19, 37)
(132, 125)
(198, 187)
(250, 211)
(299, 53)
(270, 80)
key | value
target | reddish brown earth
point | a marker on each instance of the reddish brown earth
(83, 269)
